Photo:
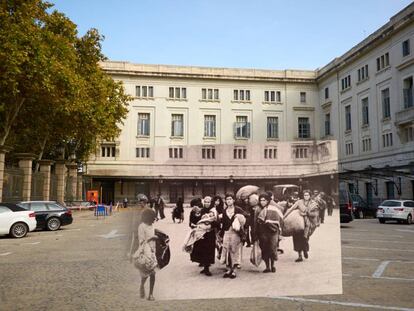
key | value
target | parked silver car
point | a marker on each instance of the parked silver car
(399, 210)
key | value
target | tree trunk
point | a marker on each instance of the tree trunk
(9, 121)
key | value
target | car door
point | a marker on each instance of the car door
(410, 205)
(41, 212)
(6, 216)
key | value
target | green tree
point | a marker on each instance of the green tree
(53, 92)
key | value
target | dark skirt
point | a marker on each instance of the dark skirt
(204, 249)
(300, 243)
(268, 243)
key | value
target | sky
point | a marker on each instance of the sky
(262, 34)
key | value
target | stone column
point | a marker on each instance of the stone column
(26, 164)
(73, 174)
(79, 188)
(45, 168)
(60, 170)
(3, 151)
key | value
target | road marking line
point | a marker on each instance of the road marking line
(356, 258)
(111, 235)
(380, 249)
(342, 303)
(31, 243)
(72, 229)
(388, 235)
(381, 268)
(381, 241)
(5, 254)
(379, 278)
(404, 230)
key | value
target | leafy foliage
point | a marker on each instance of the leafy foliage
(53, 92)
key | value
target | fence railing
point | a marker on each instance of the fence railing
(13, 185)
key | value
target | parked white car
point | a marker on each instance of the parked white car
(399, 210)
(15, 220)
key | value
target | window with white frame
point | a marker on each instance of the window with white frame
(143, 124)
(327, 124)
(301, 152)
(176, 152)
(348, 125)
(270, 152)
(272, 127)
(365, 111)
(107, 151)
(349, 148)
(408, 133)
(177, 93)
(387, 140)
(303, 97)
(144, 91)
(346, 83)
(209, 126)
(272, 96)
(383, 61)
(210, 94)
(208, 152)
(239, 152)
(241, 127)
(408, 92)
(241, 95)
(142, 152)
(326, 92)
(406, 48)
(303, 128)
(386, 107)
(366, 144)
(177, 125)
(363, 73)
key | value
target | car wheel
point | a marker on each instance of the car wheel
(19, 230)
(382, 221)
(53, 224)
(409, 220)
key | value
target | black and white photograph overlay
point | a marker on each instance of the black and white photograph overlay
(256, 228)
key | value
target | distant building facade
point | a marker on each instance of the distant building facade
(193, 131)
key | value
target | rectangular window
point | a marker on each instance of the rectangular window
(406, 48)
(363, 73)
(346, 82)
(383, 61)
(177, 125)
(108, 151)
(327, 124)
(142, 152)
(278, 97)
(349, 148)
(326, 93)
(348, 118)
(241, 95)
(303, 97)
(209, 126)
(301, 152)
(408, 92)
(216, 94)
(365, 111)
(143, 124)
(272, 96)
(272, 127)
(144, 91)
(208, 152)
(177, 93)
(409, 134)
(209, 94)
(303, 128)
(270, 152)
(239, 152)
(366, 144)
(176, 152)
(241, 127)
(386, 108)
(387, 140)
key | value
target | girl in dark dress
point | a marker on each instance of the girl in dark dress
(178, 211)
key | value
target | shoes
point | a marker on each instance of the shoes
(273, 269)
(151, 298)
(200, 265)
(227, 274)
(142, 292)
(299, 259)
(305, 253)
(232, 275)
(267, 270)
(208, 273)
(248, 245)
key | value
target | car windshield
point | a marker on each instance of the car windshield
(391, 203)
